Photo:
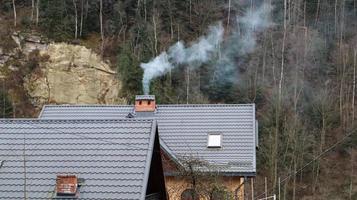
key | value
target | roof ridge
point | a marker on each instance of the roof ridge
(130, 105)
(141, 120)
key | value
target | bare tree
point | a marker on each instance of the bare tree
(155, 34)
(317, 11)
(229, 12)
(32, 9)
(354, 85)
(37, 11)
(277, 115)
(203, 179)
(171, 20)
(101, 25)
(76, 19)
(336, 17)
(14, 7)
(352, 174)
(81, 23)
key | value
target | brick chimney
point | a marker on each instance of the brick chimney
(145, 103)
(66, 185)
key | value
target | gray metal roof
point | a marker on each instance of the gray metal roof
(184, 129)
(112, 156)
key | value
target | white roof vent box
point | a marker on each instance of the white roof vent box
(214, 140)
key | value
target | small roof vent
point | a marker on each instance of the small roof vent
(130, 115)
(67, 185)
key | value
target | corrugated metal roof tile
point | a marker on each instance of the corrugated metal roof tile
(184, 128)
(110, 155)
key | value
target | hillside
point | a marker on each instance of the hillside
(295, 59)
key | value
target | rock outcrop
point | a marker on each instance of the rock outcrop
(23, 45)
(72, 74)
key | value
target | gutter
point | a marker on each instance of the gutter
(227, 174)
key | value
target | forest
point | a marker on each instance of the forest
(295, 59)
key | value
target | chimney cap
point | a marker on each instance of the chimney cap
(145, 97)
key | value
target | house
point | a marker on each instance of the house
(222, 136)
(80, 159)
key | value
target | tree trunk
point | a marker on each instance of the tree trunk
(265, 187)
(279, 189)
(276, 138)
(145, 11)
(229, 13)
(288, 11)
(305, 13)
(37, 11)
(32, 9)
(273, 58)
(294, 176)
(81, 25)
(190, 11)
(171, 21)
(14, 7)
(101, 26)
(317, 11)
(252, 187)
(264, 59)
(76, 19)
(87, 8)
(336, 17)
(354, 86)
(138, 7)
(155, 35)
(352, 174)
(282, 53)
(341, 92)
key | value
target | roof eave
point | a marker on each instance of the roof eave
(169, 153)
(42, 110)
(148, 159)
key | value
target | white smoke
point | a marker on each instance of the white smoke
(255, 21)
(155, 68)
(195, 55)
(240, 41)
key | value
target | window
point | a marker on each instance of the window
(214, 140)
(140, 102)
(189, 194)
(149, 102)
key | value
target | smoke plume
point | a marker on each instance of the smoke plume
(196, 54)
(240, 41)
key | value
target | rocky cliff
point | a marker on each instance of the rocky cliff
(70, 74)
